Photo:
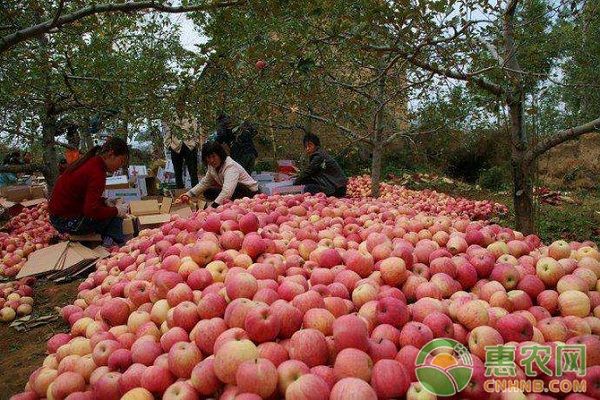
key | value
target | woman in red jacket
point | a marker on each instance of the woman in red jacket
(77, 206)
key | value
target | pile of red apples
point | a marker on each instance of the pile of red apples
(29, 231)
(427, 201)
(308, 297)
(16, 299)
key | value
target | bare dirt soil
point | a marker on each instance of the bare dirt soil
(22, 352)
(574, 164)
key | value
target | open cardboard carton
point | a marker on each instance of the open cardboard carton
(61, 261)
(16, 198)
(151, 213)
(117, 182)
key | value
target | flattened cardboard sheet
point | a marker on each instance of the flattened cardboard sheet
(92, 237)
(43, 260)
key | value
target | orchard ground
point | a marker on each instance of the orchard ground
(578, 221)
(22, 353)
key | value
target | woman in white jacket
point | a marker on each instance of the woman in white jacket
(224, 179)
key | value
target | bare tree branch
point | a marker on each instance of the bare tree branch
(343, 128)
(563, 136)
(463, 76)
(89, 78)
(492, 49)
(29, 168)
(58, 12)
(10, 40)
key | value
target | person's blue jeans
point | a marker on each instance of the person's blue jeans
(112, 227)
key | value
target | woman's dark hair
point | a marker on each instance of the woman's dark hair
(213, 148)
(117, 146)
(312, 138)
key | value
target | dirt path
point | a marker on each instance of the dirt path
(22, 352)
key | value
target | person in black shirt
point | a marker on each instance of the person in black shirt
(323, 173)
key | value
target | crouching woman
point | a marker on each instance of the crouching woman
(225, 179)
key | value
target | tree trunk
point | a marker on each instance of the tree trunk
(49, 154)
(376, 169)
(522, 170)
(49, 120)
(25, 168)
(378, 137)
(521, 167)
(87, 142)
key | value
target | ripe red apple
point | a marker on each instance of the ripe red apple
(204, 379)
(180, 390)
(549, 271)
(353, 363)
(390, 379)
(262, 324)
(288, 372)
(309, 346)
(350, 331)
(107, 386)
(349, 388)
(115, 311)
(440, 324)
(185, 315)
(573, 302)
(320, 319)
(229, 357)
(183, 357)
(415, 333)
(515, 328)
(156, 379)
(258, 376)
(308, 386)
(559, 249)
(65, 384)
(481, 337)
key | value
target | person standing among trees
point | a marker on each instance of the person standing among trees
(239, 139)
(181, 138)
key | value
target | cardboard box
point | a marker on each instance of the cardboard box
(264, 177)
(15, 198)
(117, 182)
(16, 194)
(294, 189)
(269, 187)
(286, 166)
(126, 195)
(144, 207)
(183, 210)
(136, 171)
(151, 213)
